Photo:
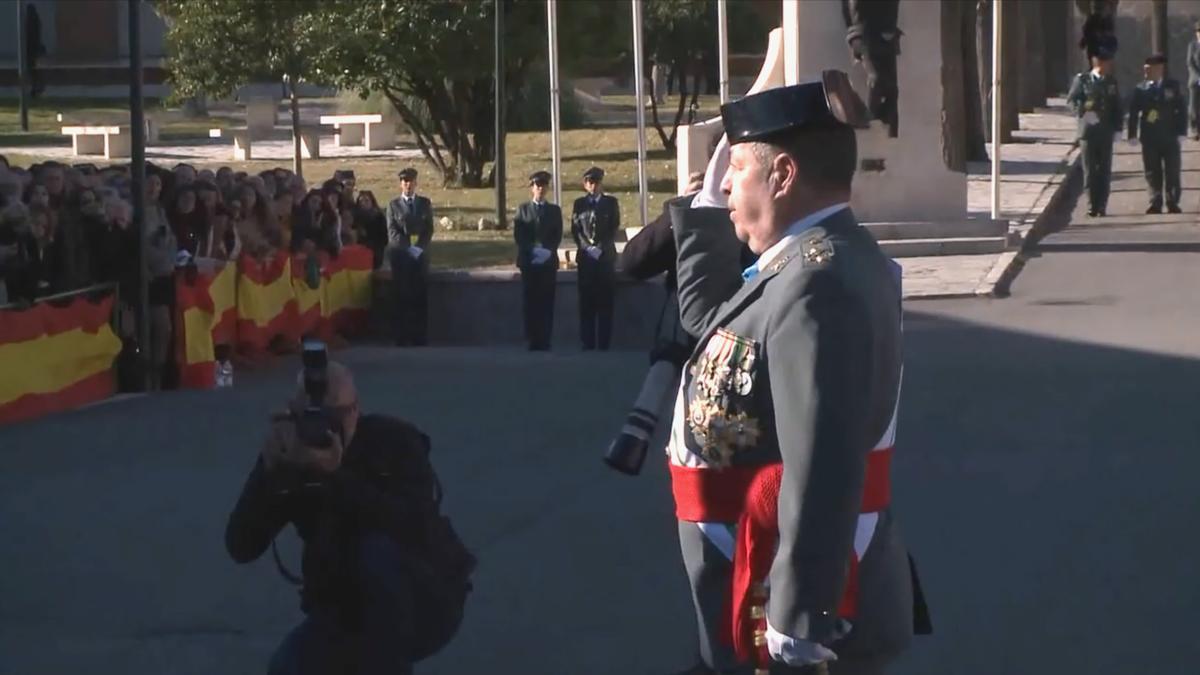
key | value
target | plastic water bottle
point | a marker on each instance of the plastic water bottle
(224, 374)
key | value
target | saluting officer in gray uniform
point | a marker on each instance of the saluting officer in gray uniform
(410, 229)
(1096, 101)
(1157, 117)
(799, 362)
(595, 219)
(538, 230)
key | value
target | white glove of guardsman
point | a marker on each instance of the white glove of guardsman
(710, 194)
(415, 251)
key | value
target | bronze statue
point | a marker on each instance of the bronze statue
(874, 40)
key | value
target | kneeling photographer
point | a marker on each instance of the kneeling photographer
(384, 576)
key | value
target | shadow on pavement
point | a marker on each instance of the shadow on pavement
(1046, 487)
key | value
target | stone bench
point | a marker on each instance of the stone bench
(112, 141)
(369, 131)
(241, 141)
(153, 124)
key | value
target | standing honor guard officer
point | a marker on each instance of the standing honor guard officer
(595, 219)
(538, 230)
(783, 431)
(1158, 117)
(1095, 100)
(410, 229)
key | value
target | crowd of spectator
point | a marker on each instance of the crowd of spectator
(69, 227)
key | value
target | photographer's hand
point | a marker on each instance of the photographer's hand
(283, 446)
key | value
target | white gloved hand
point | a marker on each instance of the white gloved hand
(796, 652)
(710, 194)
(1090, 117)
(415, 251)
(540, 255)
(594, 251)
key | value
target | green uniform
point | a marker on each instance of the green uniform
(1158, 116)
(1097, 104)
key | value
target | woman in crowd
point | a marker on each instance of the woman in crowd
(284, 212)
(317, 223)
(257, 228)
(188, 219)
(29, 272)
(161, 249)
(370, 225)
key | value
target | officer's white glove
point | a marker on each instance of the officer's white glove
(415, 251)
(796, 652)
(710, 194)
(1090, 117)
(594, 252)
(540, 255)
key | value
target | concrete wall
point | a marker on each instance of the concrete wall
(1133, 36)
(484, 308)
(52, 12)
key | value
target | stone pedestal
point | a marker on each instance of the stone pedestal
(900, 179)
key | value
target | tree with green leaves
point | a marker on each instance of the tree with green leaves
(681, 35)
(216, 46)
(434, 62)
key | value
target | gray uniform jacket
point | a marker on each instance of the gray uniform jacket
(1101, 96)
(822, 323)
(408, 226)
(537, 226)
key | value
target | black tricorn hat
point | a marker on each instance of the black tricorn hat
(408, 173)
(595, 174)
(831, 102)
(539, 177)
(1156, 60)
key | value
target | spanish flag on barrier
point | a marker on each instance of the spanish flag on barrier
(341, 303)
(266, 303)
(346, 291)
(206, 313)
(55, 358)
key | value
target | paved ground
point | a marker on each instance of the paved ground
(1046, 484)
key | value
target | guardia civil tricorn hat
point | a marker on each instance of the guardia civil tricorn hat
(830, 102)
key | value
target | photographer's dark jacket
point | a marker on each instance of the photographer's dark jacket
(383, 485)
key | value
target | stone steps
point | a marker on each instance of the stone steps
(943, 246)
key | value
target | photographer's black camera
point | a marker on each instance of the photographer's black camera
(315, 425)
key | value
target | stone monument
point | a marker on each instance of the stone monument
(902, 189)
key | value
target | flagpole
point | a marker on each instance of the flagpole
(639, 72)
(723, 48)
(555, 121)
(997, 94)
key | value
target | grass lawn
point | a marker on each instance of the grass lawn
(45, 129)
(613, 149)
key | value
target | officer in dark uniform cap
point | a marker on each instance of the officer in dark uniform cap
(1095, 99)
(1158, 117)
(595, 219)
(784, 426)
(410, 229)
(538, 231)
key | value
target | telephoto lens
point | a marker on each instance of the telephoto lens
(313, 427)
(628, 450)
